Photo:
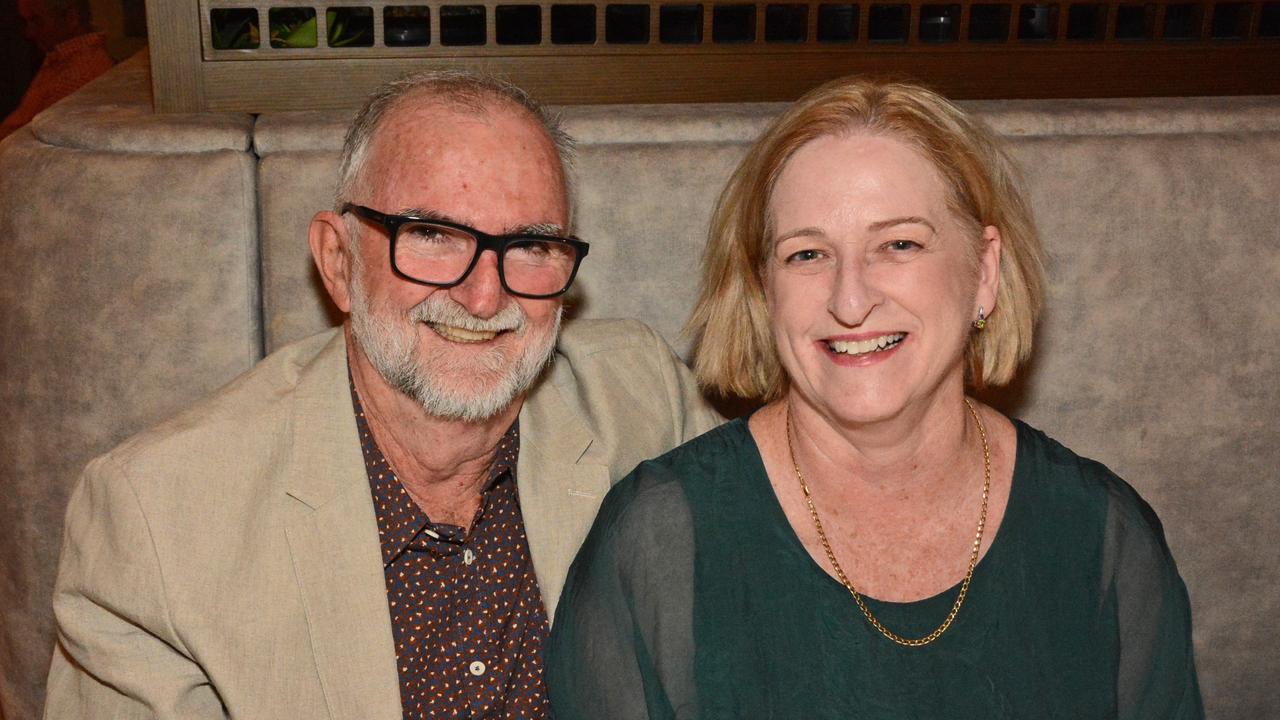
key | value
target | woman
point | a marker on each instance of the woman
(872, 543)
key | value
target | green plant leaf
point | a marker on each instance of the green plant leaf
(301, 36)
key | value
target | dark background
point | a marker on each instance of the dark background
(19, 59)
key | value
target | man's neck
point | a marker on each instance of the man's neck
(442, 463)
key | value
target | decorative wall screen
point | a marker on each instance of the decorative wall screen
(250, 55)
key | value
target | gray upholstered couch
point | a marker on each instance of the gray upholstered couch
(145, 260)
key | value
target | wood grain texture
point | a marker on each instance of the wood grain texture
(189, 74)
(756, 77)
(173, 39)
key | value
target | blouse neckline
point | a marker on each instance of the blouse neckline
(770, 504)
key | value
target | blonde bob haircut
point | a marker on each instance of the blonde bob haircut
(735, 353)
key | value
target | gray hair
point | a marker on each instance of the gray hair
(455, 88)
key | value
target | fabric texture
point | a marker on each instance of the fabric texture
(693, 598)
(227, 563)
(466, 614)
(66, 69)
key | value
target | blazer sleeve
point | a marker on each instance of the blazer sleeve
(117, 654)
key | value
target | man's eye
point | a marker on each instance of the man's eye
(539, 249)
(426, 234)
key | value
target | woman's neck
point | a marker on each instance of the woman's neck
(917, 445)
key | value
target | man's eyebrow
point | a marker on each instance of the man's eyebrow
(907, 220)
(532, 229)
(538, 229)
(425, 214)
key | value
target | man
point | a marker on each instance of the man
(376, 522)
(74, 55)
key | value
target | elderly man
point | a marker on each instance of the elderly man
(376, 522)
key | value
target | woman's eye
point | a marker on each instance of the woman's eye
(902, 245)
(803, 256)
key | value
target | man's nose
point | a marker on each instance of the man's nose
(481, 293)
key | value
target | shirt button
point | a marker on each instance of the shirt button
(469, 557)
(476, 668)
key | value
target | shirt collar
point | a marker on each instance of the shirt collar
(401, 522)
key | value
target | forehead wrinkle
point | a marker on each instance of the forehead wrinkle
(873, 185)
(436, 163)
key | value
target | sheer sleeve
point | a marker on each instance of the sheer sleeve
(1157, 672)
(622, 643)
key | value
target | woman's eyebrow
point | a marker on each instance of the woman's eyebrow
(802, 232)
(907, 220)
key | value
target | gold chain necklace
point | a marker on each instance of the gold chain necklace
(844, 580)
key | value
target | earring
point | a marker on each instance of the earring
(981, 322)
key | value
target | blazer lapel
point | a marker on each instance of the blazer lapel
(333, 539)
(562, 482)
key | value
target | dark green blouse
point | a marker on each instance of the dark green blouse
(692, 597)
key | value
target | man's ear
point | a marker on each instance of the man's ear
(330, 249)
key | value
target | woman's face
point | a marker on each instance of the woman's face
(872, 282)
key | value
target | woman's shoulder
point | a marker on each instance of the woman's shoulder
(726, 446)
(1049, 468)
(658, 491)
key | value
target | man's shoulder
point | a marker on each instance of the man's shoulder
(240, 422)
(582, 338)
(621, 380)
(613, 356)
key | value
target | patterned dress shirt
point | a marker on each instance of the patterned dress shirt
(466, 612)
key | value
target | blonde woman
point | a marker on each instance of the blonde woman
(873, 542)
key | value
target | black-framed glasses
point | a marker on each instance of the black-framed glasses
(443, 254)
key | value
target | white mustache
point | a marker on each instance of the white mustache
(440, 308)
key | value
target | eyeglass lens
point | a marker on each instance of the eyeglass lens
(440, 254)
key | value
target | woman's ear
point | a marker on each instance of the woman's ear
(988, 271)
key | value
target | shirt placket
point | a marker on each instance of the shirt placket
(460, 605)
(483, 669)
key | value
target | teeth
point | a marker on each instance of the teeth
(862, 347)
(462, 335)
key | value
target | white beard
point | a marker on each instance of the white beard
(446, 388)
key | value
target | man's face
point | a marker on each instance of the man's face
(468, 351)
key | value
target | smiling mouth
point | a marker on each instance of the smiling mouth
(854, 348)
(461, 335)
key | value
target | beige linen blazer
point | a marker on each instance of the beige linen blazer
(227, 563)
